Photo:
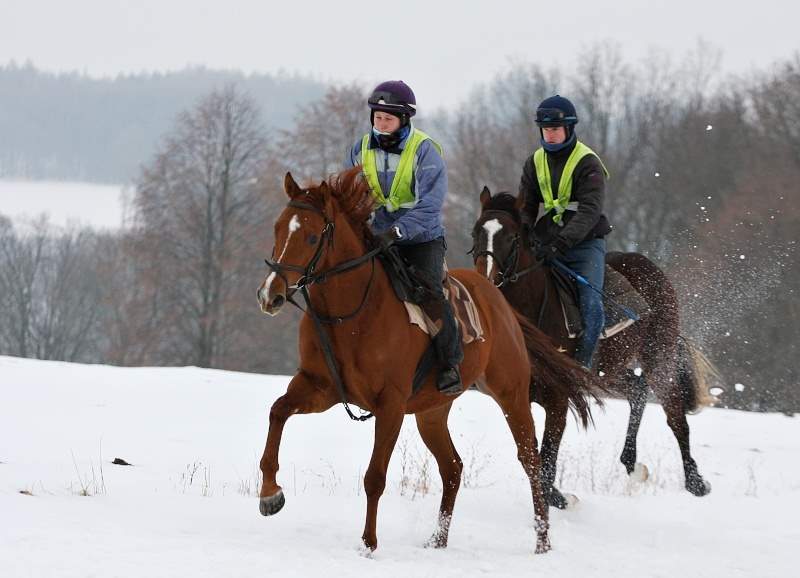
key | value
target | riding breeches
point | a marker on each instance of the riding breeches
(428, 261)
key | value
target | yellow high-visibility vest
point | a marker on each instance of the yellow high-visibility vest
(401, 195)
(560, 203)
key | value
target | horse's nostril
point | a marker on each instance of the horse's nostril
(278, 300)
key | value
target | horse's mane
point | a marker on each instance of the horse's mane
(353, 195)
(505, 202)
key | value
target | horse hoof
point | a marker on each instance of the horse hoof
(698, 486)
(368, 546)
(542, 546)
(436, 541)
(640, 473)
(556, 499)
(561, 501)
(271, 505)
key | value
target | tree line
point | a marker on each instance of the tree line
(70, 126)
(704, 180)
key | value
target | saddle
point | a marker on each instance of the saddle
(616, 287)
(412, 289)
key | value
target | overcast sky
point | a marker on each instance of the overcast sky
(441, 49)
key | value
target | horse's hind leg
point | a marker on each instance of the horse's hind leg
(637, 399)
(301, 397)
(676, 418)
(517, 410)
(432, 426)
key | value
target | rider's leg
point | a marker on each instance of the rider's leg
(587, 259)
(428, 261)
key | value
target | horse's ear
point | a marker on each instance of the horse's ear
(486, 195)
(327, 194)
(519, 204)
(290, 186)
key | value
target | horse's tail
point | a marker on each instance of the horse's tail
(557, 374)
(696, 376)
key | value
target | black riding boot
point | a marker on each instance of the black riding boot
(427, 261)
(447, 343)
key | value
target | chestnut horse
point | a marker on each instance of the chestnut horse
(322, 251)
(675, 370)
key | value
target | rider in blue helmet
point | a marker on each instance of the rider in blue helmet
(564, 187)
(408, 177)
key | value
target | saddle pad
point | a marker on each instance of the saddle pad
(618, 288)
(463, 306)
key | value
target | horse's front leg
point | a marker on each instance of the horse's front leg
(637, 399)
(556, 411)
(302, 396)
(388, 421)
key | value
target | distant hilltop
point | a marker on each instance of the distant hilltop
(71, 126)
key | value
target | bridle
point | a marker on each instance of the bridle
(510, 273)
(309, 276)
(509, 268)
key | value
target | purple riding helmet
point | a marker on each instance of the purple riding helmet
(394, 97)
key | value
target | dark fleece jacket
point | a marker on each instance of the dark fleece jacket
(588, 190)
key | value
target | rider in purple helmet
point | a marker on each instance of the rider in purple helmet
(407, 174)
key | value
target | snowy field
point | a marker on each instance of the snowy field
(99, 206)
(188, 507)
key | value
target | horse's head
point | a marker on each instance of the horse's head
(496, 237)
(304, 233)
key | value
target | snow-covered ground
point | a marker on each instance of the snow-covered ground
(187, 505)
(99, 206)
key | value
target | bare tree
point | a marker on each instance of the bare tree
(776, 106)
(133, 308)
(324, 131)
(20, 263)
(198, 208)
(50, 293)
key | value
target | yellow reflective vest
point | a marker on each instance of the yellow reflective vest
(401, 194)
(560, 203)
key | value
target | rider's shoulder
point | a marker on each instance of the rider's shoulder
(589, 162)
(429, 149)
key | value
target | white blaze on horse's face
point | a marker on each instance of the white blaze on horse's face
(492, 227)
(294, 225)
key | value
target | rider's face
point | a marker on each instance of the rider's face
(385, 122)
(554, 134)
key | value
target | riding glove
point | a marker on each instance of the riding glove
(388, 237)
(555, 249)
